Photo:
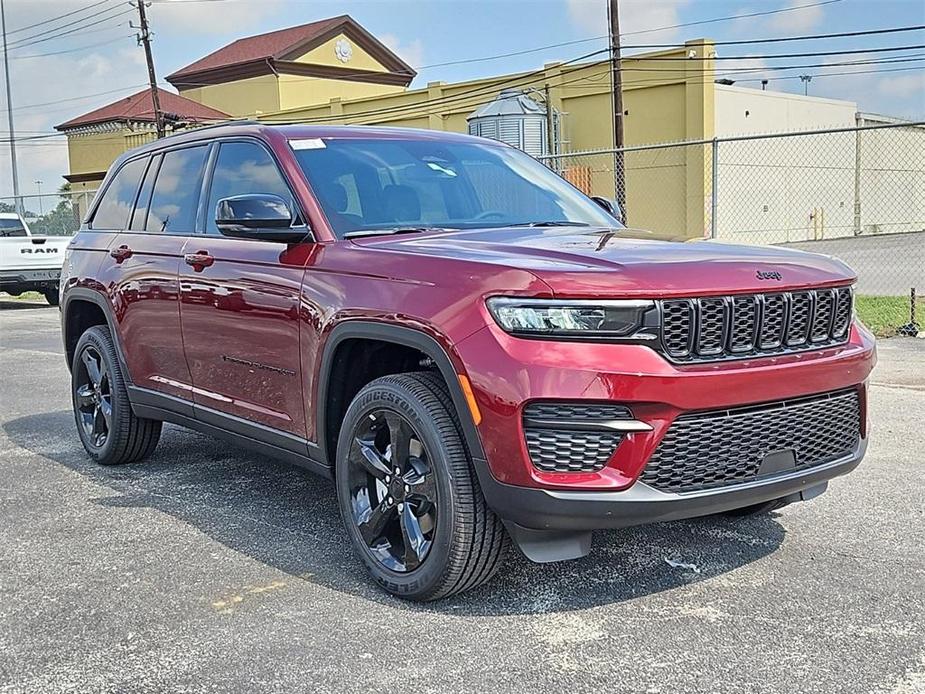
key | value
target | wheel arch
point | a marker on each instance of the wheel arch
(397, 335)
(82, 308)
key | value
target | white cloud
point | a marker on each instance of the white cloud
(908, 86)
(411, 52)
(654, 17)
(229, 16)
(798, 20)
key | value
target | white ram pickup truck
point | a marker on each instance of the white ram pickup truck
(27, 262)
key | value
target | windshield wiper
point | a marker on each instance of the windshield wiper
(360, 233)
(551, 223)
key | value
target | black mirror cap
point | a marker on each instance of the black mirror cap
(611, 207)
(259, 216)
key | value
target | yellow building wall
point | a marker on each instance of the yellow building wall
(668, 97)
(297, 92)
(325, 55)
(246, 97)
(95, 152)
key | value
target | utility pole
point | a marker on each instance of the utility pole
(617, 78)
(144, 38)
(17, 200)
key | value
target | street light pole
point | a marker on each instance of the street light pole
(38, 184)
(806, 79)
(17, 200)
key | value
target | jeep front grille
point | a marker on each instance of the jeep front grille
(714, 328)
(722, 447)
(567, 437)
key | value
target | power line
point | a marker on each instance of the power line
(60, 16)
(79, 98)
(74, 50)
(27, 41)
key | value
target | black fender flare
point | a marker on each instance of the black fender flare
(409, 337)
(73, 294)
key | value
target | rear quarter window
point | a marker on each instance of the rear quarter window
(119, 198)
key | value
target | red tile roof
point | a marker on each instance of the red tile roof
(283, 45)
(140, 107)
(260, 47)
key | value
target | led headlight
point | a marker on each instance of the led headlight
(614, 318)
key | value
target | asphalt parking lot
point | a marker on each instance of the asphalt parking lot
(210, 569)
(887, 265)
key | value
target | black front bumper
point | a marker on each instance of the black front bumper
(540, 520)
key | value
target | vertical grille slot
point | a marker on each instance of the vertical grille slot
(843, 306)
(743, 324)
(772, 324)
(711, 337)
(822, 319)
(801, 311)
(678, 327)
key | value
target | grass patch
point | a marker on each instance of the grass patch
(885, 314)
(25, 296)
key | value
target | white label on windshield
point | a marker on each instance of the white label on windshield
(310, 143)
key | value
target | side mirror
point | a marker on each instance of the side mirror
(611, 207)
(263, 217)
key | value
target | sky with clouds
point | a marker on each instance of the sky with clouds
(56, 79)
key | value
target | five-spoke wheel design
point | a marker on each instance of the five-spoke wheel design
(93, 390)
(393, 491)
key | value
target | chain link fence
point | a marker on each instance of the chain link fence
(854, 193)
(54, 214)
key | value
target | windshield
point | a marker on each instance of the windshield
(377, 185)
(11, 227)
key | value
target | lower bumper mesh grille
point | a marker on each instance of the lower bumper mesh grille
(714, 449)
(561, 445)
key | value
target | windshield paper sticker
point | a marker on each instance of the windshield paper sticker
(311, 143)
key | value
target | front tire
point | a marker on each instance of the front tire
(108, 428)
(408, 494)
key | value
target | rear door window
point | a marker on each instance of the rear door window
(244, 168)
(140, 214)
(176, 192)
(119, 198)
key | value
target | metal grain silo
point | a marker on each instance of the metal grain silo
(515, 119)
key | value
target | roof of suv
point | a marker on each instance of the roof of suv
(296, 132)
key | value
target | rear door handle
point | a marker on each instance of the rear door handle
(121, 253)
(199, 260)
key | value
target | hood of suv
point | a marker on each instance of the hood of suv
(597, 262)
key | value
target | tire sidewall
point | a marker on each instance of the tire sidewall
(91, 338)
(432, 572)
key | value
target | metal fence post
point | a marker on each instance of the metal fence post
(714, 192)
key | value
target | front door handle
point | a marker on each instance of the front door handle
(121, 253)
(199, 260)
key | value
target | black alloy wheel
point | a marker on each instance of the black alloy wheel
(409, 494)
(393, 491)
(109, 430)
(93, 396)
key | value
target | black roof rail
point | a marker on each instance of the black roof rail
(222, 124)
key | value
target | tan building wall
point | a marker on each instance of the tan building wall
(272, 93)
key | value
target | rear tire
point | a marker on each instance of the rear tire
(445, 539)
(51, 296)
(108, 428)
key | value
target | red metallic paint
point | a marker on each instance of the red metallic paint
(276, 305)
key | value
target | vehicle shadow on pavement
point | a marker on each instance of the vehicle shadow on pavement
(18, 304)
(287, 518)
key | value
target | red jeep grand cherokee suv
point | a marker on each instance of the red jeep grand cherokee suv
(469, 346)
